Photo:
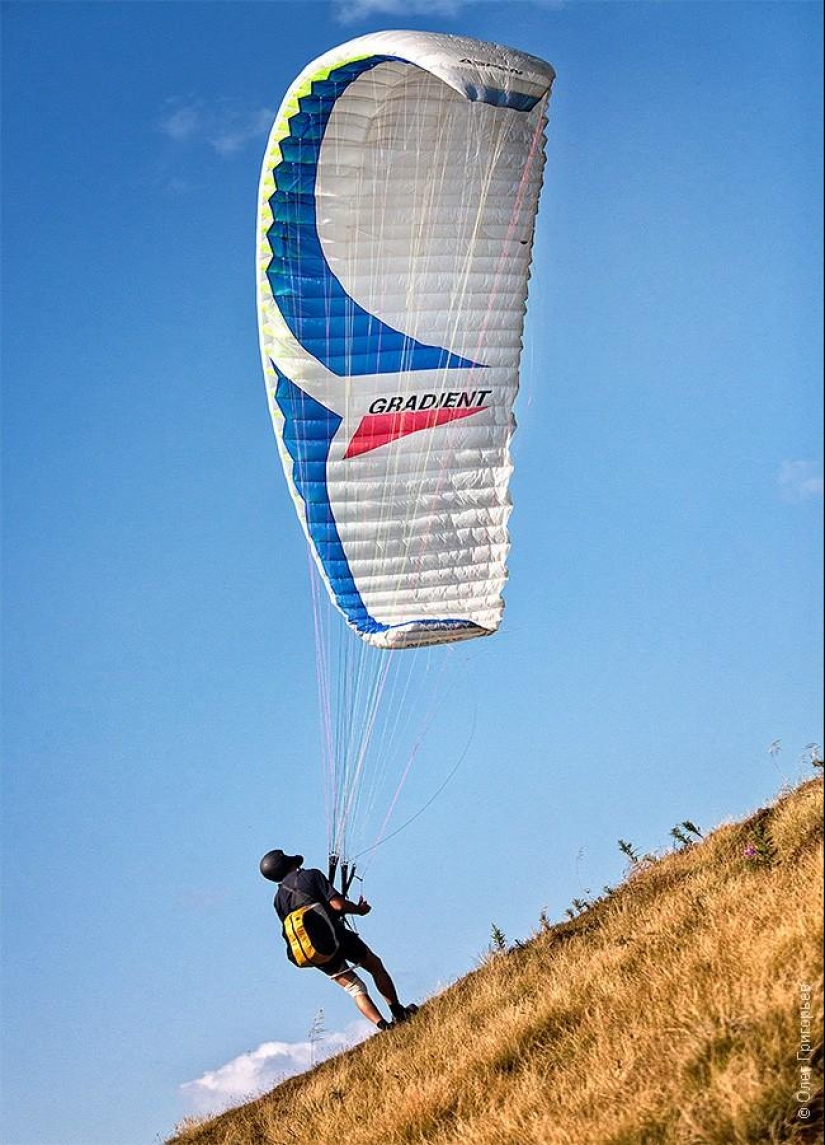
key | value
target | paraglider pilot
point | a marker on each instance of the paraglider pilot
(314, 916)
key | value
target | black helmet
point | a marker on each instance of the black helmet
(275, 864)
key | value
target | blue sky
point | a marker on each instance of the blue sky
(160, 725)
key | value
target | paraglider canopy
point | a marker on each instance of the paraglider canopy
(397, 206)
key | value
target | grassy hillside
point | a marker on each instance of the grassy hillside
(667, 1012)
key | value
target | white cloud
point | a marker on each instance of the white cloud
(177, 186)
(259, 1070)
(800, 481)
(235, 129)
(182, 122)
(221, 124)
(351, 11)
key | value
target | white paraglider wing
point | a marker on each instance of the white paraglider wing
(397, 206)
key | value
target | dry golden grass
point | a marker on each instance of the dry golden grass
(667, 1013)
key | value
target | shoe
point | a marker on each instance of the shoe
(403, 1013)
(383, 1025)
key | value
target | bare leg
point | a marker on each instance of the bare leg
(374, 966)
(363, 1001)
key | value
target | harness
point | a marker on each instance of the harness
(311, 939)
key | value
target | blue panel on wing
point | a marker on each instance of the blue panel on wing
(327, 322)
(478, 93)
(308, 430)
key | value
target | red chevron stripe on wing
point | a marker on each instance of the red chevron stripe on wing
(377, 429)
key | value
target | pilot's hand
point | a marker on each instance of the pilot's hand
(363, 906)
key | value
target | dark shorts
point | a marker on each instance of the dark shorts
(352, 950)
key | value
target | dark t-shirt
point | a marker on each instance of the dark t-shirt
(310, 886)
